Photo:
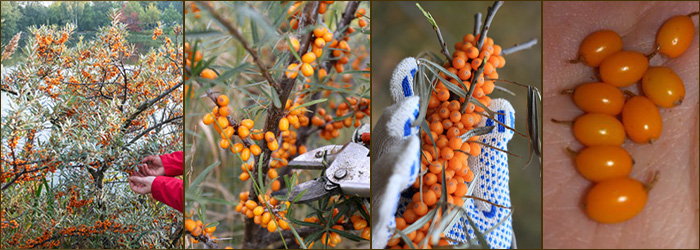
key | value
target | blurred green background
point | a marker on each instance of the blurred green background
(401, 31)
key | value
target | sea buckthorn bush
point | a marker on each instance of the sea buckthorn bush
(269, 82)
(76, 120)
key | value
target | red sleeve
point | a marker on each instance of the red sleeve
(168, 190)
(172, 163)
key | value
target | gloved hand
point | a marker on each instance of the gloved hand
(491, 185)
(396, 145)
(397, 148)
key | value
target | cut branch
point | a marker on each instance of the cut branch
(519, 47)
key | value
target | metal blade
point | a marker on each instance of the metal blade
(314, 158)
(315, 189)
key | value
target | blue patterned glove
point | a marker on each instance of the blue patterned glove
(491, 166)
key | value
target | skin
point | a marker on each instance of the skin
(670, 218)
(153, 166)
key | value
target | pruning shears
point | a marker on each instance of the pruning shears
(346, 170)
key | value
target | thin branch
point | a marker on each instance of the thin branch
(519, 47)
(146, 104)
(477, 23)
(264, 70)
(484, 31)
(152, 128)
(487, 24)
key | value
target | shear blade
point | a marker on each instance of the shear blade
(314, 190)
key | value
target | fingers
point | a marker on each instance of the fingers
(395, 125)
(401, 84)
(401, 168)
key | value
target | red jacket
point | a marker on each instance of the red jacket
(167, 189)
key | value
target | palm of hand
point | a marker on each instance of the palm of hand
(670, 218)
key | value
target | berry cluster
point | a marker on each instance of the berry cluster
(271, 215)
(199, 231)
(448, 121)
(611, 118)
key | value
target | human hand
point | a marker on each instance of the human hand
(397, 148)
(670, 218)
(140, 183)
(153, 166)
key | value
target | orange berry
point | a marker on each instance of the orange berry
(420, 208)
(360, 12)
(458, 62)
(255, 149)
(292, 71)
(224, 143)
(360, 224)
(208, 119)
(237, 147)
(410, 216)
(248, 123)
(283, 224)
(663, 87)
(222, 100)
(319, 32)
(271, 226)
(244, 176)
(675, 35)
(225, 111)
(190, 225)
(623, 68)
(598, 129)
(272, 173)
(273, 146)
(284, 124)
(599, 163)
(309, 57)
(599, 98)
(362, 23)
(258, 210)
(318, 42)
(208, 74)
(443, 95)
(307, 70)
(615, 200)
(245, 154)
(598, 45)
(642, 120)
(223, 122)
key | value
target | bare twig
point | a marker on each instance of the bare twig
(487, 24)
(264, 70)
(519, 47)
(477, 23)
